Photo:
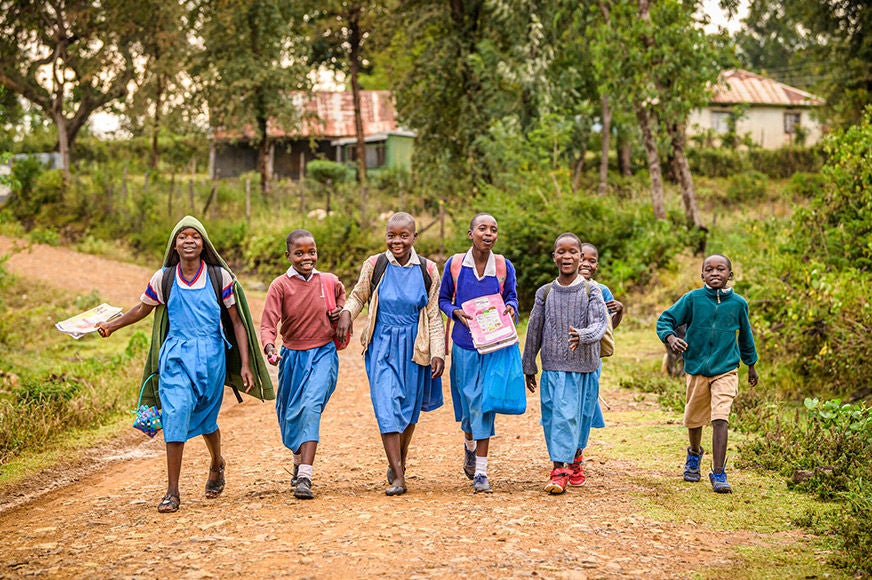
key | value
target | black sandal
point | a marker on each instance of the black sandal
(169, 504)
(214, 488)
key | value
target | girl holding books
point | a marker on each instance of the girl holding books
(478, 272)
(569, 307)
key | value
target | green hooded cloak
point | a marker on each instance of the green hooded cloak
(263, 387)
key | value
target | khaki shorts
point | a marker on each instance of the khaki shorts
(709, 398)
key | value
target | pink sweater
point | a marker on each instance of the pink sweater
(302, 310)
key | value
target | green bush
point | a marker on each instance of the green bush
(806, 185)
(747, 186)
(784, 162)
(710, 162)
(322, 171)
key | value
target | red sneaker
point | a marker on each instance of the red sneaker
(559, 479)
(577, 468)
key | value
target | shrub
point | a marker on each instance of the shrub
(322, 171)
(784, 162)
(806, 185)
(716, 162)
(747, 186)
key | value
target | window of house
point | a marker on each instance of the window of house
(791, 122)
(720, 122)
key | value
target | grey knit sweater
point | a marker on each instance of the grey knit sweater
(580, 306)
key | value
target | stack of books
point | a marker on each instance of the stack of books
(491, 328)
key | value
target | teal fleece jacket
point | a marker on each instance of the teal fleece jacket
(718, 331)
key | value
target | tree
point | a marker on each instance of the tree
(253, 59)
(69, 58)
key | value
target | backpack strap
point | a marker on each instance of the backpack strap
(425, 273)
(378, 270)
(500, 262)
(217, 282)
(328, 288)
(167, 283)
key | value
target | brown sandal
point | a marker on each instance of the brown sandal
(169, 504)
(214, 488)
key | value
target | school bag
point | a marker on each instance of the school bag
(607, 342)
(456, 265)
(380, 264)
(216, 280)
(328, 289)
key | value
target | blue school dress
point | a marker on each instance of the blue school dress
(396, 383)
(192, 364)
(569, 410)
(307, 379)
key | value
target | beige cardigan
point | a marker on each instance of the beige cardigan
(430, 340)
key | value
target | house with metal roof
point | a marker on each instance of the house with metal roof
(326, 131)
(771, 113)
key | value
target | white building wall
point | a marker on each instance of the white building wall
(765, 125)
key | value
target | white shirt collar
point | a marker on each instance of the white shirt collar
(292, 273)
(414, 260)
(578, 280)
(490, 268)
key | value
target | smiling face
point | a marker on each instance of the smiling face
(716, 271)
(567, 255)
(400, 236)
(303, 255)
(483, 233)
(189, 244)
(589, 262)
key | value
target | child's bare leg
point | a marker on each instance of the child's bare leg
(213, 444)
(481, 447)
(405, 441)
(695, 437)
(719, 443)
(174, 467)
(307, 452)
(393, 451)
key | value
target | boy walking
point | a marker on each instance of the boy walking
(718, 337)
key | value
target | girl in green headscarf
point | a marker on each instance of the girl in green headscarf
(189, 349)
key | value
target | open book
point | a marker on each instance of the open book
(81, 324)
(491, 329)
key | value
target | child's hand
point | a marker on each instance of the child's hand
(509, 311)
(103, 329)
(752, 376)
(531, 382)
(462, 316)
(573, 339)
(247, 378)
(614, 306)
(272, 355)
(333, 315)
(343, 327)
(676, 344)
(437, 366)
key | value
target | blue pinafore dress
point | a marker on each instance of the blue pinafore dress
(192, 364)
(396, 382)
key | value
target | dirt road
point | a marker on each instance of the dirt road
(105, 523)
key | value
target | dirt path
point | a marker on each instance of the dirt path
(105, 523)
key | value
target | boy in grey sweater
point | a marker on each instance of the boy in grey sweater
(570, 383)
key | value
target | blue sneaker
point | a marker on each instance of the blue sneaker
(480, 484)
(468, 462)
(691, 465)
(719, 482)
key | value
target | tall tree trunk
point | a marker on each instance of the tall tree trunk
(63, 143)
(625, 154)
(677, 138)
(354, 71)
(654, 170)
(606, 145)
(155, 154)
(263, 157)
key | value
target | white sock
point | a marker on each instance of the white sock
(298, 458)
(470, 444)
(305, 471)
(480, 465)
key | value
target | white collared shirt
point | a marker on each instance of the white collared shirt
(578, 280)
(414, 260)
(490, 268)
(292, 273)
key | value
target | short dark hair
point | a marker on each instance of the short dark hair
(567, 235)
(296, 235)
(478, 215)
(729, 263)
(402, 217)
(589, 245)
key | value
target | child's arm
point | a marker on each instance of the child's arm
(132, 316)
(598, 321)
(242, 342)
(359, 297)
(510, 291)
(340, 302)
(447, 295)
(672, 318)
(616, 310)
(752, 376)
(436, 327)
(533, 340)
(747, 348)
(272, 313)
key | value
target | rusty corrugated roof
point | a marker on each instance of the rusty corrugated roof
(740, 86)
(330, 115)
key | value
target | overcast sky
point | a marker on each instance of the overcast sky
(719, 18)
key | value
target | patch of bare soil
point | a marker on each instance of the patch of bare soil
(99, 518)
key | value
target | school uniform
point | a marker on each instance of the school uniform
(469, 369)
(569, 385)
(404, 334)
(309, 367)
(192, 363)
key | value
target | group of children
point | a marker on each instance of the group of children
(405, 348)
